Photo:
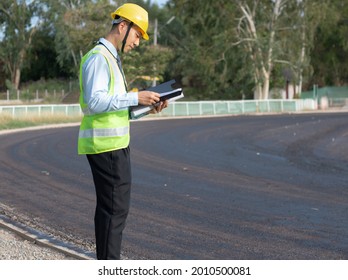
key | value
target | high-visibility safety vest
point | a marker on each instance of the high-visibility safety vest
(103, 132)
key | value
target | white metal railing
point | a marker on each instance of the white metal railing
(192, 108)
(199, 108)
(39, 110)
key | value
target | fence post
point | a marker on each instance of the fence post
(8, 95)
(17, 94)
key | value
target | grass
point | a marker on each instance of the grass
(9, 122)
(52, 84)
(47, 91)
(28, 93)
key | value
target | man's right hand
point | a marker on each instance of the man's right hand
(147, 98)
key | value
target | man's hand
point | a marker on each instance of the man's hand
(159, 107)
(147, 98)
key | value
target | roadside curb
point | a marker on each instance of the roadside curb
(42, 239)
(32, 128)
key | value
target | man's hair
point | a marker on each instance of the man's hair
(118, 20)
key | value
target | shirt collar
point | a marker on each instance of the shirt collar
(109, 46)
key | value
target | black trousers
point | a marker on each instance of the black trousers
(112, 179)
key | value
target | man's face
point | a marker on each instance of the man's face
(133, 39)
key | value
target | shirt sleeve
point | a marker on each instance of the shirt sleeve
(96, 79)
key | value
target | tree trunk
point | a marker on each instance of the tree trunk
(302, 58)
(269, 63)
(265, 88)
(17, 78)
(17, 70)
(263, 64)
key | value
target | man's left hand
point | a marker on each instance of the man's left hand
(159, 107)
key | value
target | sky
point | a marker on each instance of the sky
(160, 2)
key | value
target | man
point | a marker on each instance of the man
(104, 130)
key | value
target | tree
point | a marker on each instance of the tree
(278, 32)
(329, 56)
(205, 59)
(139, 63)
(77, 25)
(42, 59)
(16, 18)
(257, 31)
(305, 16)
(151, 58)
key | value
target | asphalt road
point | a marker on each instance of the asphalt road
(240, 187)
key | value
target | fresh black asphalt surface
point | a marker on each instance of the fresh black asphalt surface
(239, 187)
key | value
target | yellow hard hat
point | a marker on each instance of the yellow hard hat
(135, 14)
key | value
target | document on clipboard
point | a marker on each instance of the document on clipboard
(166, 91)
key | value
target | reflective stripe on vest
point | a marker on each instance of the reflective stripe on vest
(108, 131)
(104, 132)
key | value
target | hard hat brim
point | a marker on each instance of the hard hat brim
(145, 36)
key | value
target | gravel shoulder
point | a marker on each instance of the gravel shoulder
(14, 247)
